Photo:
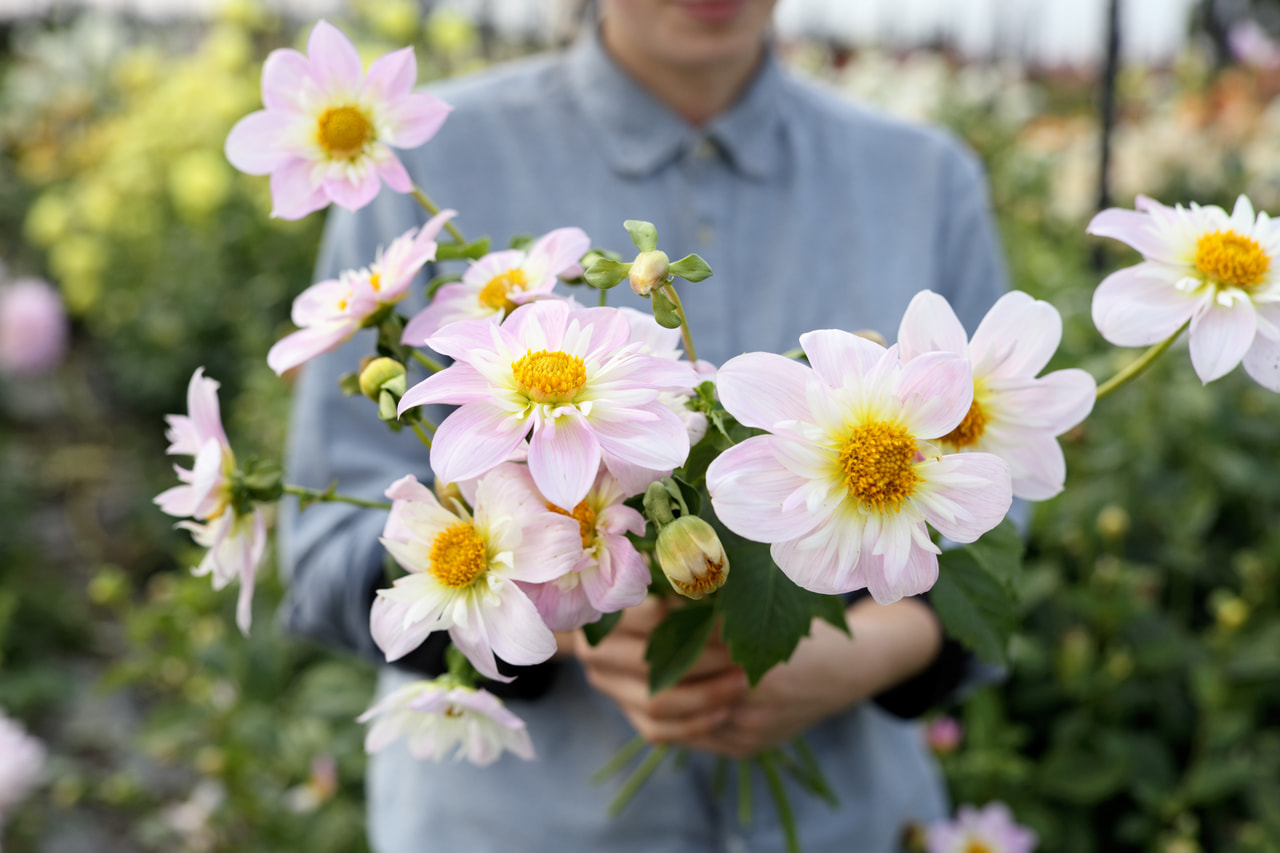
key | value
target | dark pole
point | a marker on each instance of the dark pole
(1110, 69)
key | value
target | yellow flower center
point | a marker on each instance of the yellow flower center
(586, 517)
(969, 430)
(877, 461)
(1232, 259)
(711, 579)
(549, 377)
(458, 555)
(343, 132)
(497, 292)
(375, 281)
(977, 846)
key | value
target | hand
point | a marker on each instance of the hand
(689, 710)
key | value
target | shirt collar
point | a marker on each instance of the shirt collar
(640, 134)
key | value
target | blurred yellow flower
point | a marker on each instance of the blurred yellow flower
(77, 261)
(199, 183)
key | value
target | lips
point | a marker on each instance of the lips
(713, 11)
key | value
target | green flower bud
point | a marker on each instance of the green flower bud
(691, 556)
(650, 270)
(383, 373)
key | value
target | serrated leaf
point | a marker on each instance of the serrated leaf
(605, 273)
(974, 596)
(677, 643)
(664, 311)
(691, 268)
(643, 234)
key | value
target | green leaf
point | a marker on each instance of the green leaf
(643, 234)
(520, 241)
(701, 455)
(439, 281)
(472, 251)
(974, 596)
(664, 311)
(599, 629)
(691, 268)
(605, 273)
(676, 644)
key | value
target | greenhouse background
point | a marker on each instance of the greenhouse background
(1144, 678)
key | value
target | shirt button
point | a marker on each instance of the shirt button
(706, 234)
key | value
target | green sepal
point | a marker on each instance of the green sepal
(643, 234)
(691, 268)
(349, 384)
(387, 405)
(605, 273)
(520, 241)
(976, 593)
(677, 643)
(263, 481)
(473, 251)
(599, 629)
(664, 311)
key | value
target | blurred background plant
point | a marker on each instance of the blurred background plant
(1138, 714)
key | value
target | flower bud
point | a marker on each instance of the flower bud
(649, 270)
(943, 734)
(691, 556)
(382, 373)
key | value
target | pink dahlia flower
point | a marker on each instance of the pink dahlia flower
(328, 128)
(493, 286)
(990, 829)
(22, 759)
(1218, 271)
(463, 568)
(439, 720)
(236, 540)
(331, 311)
(571, 379)
(33, 328)
(1014, 415)
(610, 575)
(848, 476)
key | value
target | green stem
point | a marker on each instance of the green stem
(427, 361)
(780, 800)
(1141, 363)
(623, 757)
(685, 336)
(433, 209)
(744, 792)
(329, 496)
(417, 428)
(637, 779)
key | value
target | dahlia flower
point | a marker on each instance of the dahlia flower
(493, 286)
(328, 128)
(21, 765)
(439, 720)
(990, 830)
(463, 568)
(1200, 264)
(1014, 415)
(331, 311)
(33, 327)
(568, 377)
(848, 475)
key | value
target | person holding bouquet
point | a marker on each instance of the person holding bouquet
(814, 214)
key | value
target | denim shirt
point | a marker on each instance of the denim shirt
(813, 213)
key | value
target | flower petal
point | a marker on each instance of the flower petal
(414, 119)
(749, 488)
(391, 76)
(564, 457)
(1137, 306)
(1135, 229)
(474, 439)
(1262, 362)
(930, 325)
(293, 193)
(305, 344)
(254, 145)
(352, 192)
(335, 64)
(286, 77)
(965, 494)
(1220, 336)
(761, 389)
(835, 355)
(937, 391)
(1017, 337)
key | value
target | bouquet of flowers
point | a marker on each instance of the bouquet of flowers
(592, 458)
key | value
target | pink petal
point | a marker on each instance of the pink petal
(255, 542)
(620, 578)
(651, 436)
(286, 77)
(749, 487)
(559, 249)
(1262, 362)
(352, 194)
(394, 175)
(918, 574)
(1017, 337)
(391, 76)
(387, 624)
(335, 64)
(1135, 308)
(519, 636)
(827, 561)
(319, 302)
(1135, 229)
(835, 355)
(1054, 402)
(305, 344)
(930, 325)
(634, 479)
(456, 385)
(937, 391)
(462, 340)
(1220, 336)
(452, 303)
(610, 331)
(965, 494)
(293, 193)
(255, 144)
(414, 119)
(760, 389)
(1037, 468)
(561, 608)
(202, 404)
(564, 457)
(474, 439)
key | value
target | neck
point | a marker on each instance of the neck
(697, 93)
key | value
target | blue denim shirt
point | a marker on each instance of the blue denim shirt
(813, 213)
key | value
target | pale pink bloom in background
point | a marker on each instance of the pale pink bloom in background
(569, 378)
(33, 327)
(22, 759)
(610, 575)
(236, 540)
(463, 570)
(1200, 264)
(328, 128)
(943, 735)
(442, 720)
(845, 482)
(1014, 415)
(990, 829)
(329, 312)
(493, 286)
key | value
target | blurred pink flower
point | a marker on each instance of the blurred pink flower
(568, 377)
(943, 734)
(33, 327)
(846, 479)
(991, 830)
(22, 759)
(331, 311)
(1014, 415)
(1200, 264)
(328, 128)
(440, 719)
(493, 286)
(463, 567)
